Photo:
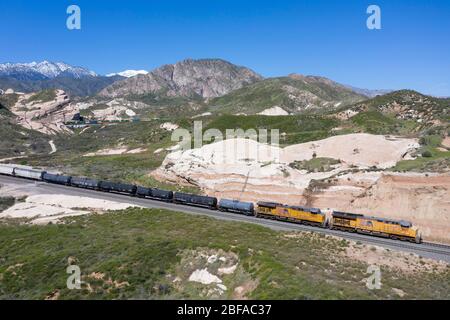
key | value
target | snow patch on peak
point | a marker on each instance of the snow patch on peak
(128, 73)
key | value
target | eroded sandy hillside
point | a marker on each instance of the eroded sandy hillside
(46, 115)
(357, 181)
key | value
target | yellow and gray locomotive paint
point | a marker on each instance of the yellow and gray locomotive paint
(402, 230)
(311, 216)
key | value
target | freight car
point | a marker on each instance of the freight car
(162, 194)
(398, 230)
(309, 216)
(28, 173)
(7, 170)
(56, 178)
(117, 187)
(194, 200)
(154, 193)
(85, 183)
(236, 206)
(401, 230)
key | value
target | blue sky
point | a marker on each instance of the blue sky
(327, 38)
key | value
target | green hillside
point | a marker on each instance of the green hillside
(150, 254)
(293, 94)
(17, 141)
(293, 129)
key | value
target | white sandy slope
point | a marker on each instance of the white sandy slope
(45, 208)
(250, 171)
(203, 276)
(274, 111)
(245, 168)
(114, 151)
(169, 126)
(241, 156)
(355, 149)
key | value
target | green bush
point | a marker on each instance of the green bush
(427, 154)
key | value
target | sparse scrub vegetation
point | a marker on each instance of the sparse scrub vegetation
(315, 164)
(293, 129)
(131, 254)
(43, 96)
(17, 141)
(429, 157)
(8, 100)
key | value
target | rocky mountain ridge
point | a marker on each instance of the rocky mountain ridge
(205, 78)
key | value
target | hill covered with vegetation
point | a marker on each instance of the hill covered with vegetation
(294, 94)
(154, 254)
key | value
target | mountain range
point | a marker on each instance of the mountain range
(218, 83)
(43, 70)
(36, 76)
(205, 78)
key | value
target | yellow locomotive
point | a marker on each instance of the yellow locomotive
(310, 216)
(400, 230)
(351, 222)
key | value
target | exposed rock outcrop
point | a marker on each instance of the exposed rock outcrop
(205, 78)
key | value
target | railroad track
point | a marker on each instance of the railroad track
(444, 247)
(431, 244)
(434, 250)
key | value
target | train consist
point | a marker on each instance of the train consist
(350, 222)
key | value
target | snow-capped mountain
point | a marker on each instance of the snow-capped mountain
(128, 73)
(43, 70)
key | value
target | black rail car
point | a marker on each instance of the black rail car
(56, 178)
(194, 200)
(143, 192)
(85, 183)
(117, 187)
(154, 193)
(162, 194)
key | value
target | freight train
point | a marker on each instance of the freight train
(350, 222)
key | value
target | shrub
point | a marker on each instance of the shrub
(427, 154)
